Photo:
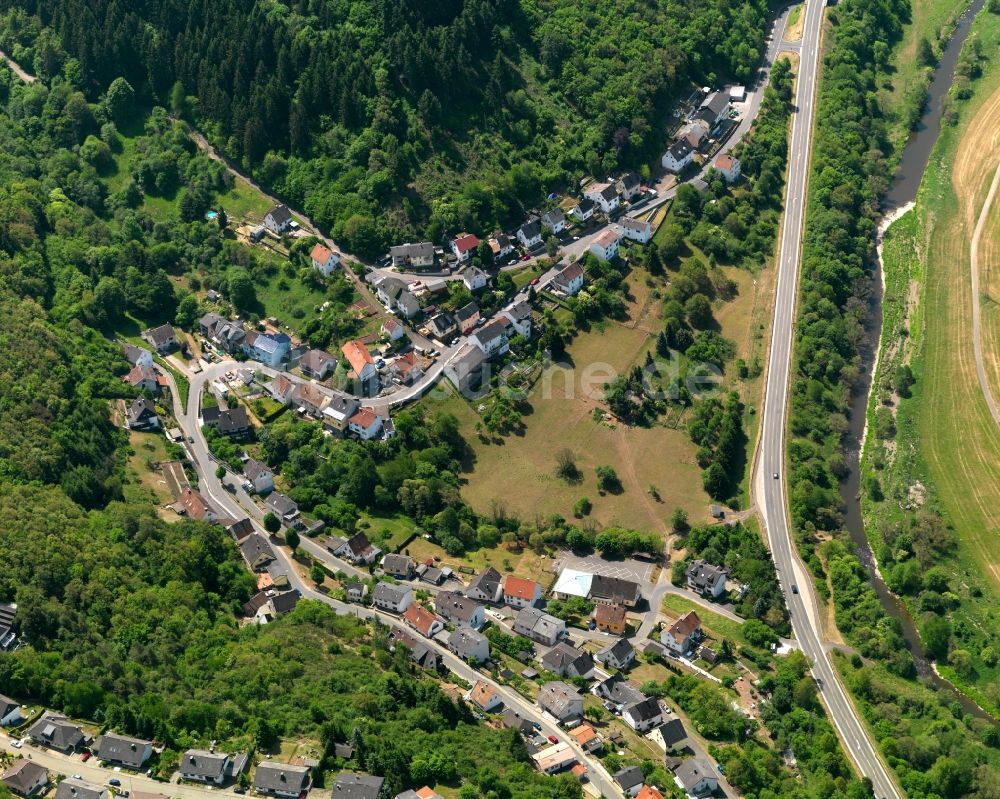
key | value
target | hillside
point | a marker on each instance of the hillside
(384, 119)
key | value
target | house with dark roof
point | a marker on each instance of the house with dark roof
(500, 245)
(460, 610)
(618, 691)
(355, 591)
(10, 712)
(565, 660)
(391, 597)
(630, 780)
(358, 549)
(619, 655)
(259, 475)
(555, 221)
(56, 732)
(357, 786)
(415, 256)
(539, 626)
(420, 652)
(121, 750)
(487, 586)
(137, 356)
(25, 778)
(318, 364)
(628, 185)
(678, 156)
(161, 338)
(231, 422)
(570, 280)
(512, 720)
(583, 210)
(73, 788)
(713, 109)
(470, 645)
(278, 219)
(604, 196)
(672, 736)
(519, 316)
(142, 415)
(560, 700)
(492, 338)
(706, 578)
(637, 229)
(285, 508)
(530, 234)
(696, 777)
(281, 779)
(466, 317)
(257, 552)
(265, 606)
(615, 590)
(197, 765)
(466, 369)
(399, 566)
(643, 715)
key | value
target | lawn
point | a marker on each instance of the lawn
(288, 298)
(718, 626)
(525, 563)
(149, 449)
(387, 532)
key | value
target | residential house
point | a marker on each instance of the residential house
(643, 715)
(492, 338)
(25, 778)
(484, 696)
(365, 424)
(355, 591)
(728, 167)
(605, 246)
(565, 660)
(466, 369)
(583, 210)
(259, 475)
(464, 246)
(282, 506)
(474, 278)
(637, 229)
(256, 552)
(681, 636)
(570, 280)
(421, 653)
(487, 586)
(706, 579)
(519, 592)
(280, 779)
(672, 736)
(197, 765)
(696, 777)
(470, 645)
(618, 691)
(391, 597)
(555, 758)
(519, 316)
(714, 109)
(394, 294)
(55, 731)
(415, 256)
(539, 626)
(604, 196)
(361, 362)
(572, 583)
(530, 234)
(143, 378)
(628, 185)
(614, 590)
(10, 712)
(238, 529)
(393, 329)
(324, 259)
(338, 412)
(318, 364)
(694, 133)
(441, 326)
(232, 422)
(678, 156)
(513, 721)
(121, 750)
(648, 792)
(357, 786)
(423, 621)
(399, 566)
(420, 793)
(610, 618)
(406, 369)
(466, 317)
(460, 610)
(308, 399)
(227, 336)
(587, 738)
(560, 700)
(278, 219)
(280, 389)
(142, 415)
(429, 573)
(555, 221)
(500, 245)
(162, 339)
(193, 505)
(630, 780)
(137, 356)
(619, 655)
(72, 788)
(358, 549)
(271, 349)
(266, 605)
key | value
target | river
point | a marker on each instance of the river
(901, 194)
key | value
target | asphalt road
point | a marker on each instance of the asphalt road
(770, 493)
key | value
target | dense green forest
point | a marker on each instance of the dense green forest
(381, 117)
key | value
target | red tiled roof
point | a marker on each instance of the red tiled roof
(357, 355)
(320, 254)
(365, 418)
(422, 620)
(466, 242)
(519, 587)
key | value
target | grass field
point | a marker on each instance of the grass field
(388, 532)
(719, 626)
(947, 447)
(793, 29)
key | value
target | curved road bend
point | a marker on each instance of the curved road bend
(770, 495)
(977, 333)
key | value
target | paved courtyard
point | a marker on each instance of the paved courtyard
(627, 569)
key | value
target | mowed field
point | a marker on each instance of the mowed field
(959, 439)
(989, 286)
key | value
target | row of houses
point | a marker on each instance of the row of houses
(232, 336)
(696, 133)
(342, 414)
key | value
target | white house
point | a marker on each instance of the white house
(677, 156)
(519, 592)
(324, 259)
(681, 636)
(539, 626)
(10, 711)
(137, 356)
(268, 348)
(628, 185)
(696, 777)
(483, 696)
(360, 360)
(672, 737)
(637, 229)
(423, 621)
(530, 234)
(604, 196)
(519, 316)
(474, 278)
(584, 210)
(416, 256)
(259, 476)
(714, 109)
(198, 765)
(728, 167)
(278, 219)
(706, 578)
(500, 245)
(470, 645)
(605, 246)
(643, 715)
(492, 338)
(555, 221)
(394, 294)
(487, 586)
(570, 280)
(365, 424)
(560, 700)
(393, 329)
(392, 597)
(464, 245)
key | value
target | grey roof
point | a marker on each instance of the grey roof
(470, 359)
(531, 229)
(420, 652)
(553, 217)
(692, 771)
(556, 696)
(139, 409)
(283, 777)
(629, 777)
(360, 546)
(519, 310)
(465, 641)
(680, 149)
(78, 789)
(619, 650)
(281, 504)
(423, 249)
(397, 564)
(466, 311)
(256, 551)
(160, 334)
(57, 731)
(619, 690)
(512, 719)
(23, 776)
(7, 705)
(253, 469)
(703, 574)
(495, 329)
(453, 605)
(121, 749)
(228, 420)
(609, 192)
(315, 360)
(564, 657)
(537, 621)
(200, 763)
(613, 588)
(586, 204)
(356, 786)
(630, 180)
(133, 353)
(280, 214)
(634, 224)
(716, 102)
(488, 580)
(645, 710)
(390, 593)
(441, 323)
(673, 732)
(285, 602)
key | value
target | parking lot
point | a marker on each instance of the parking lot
(628, 569)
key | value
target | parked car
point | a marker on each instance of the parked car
(85, 756)
(16, 744)
(536, 281)
(525, 257)
(114, 782)
(77, 777)
(553, 739)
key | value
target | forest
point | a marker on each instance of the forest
(383, 119)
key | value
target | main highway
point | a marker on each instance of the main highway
(770, 481)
